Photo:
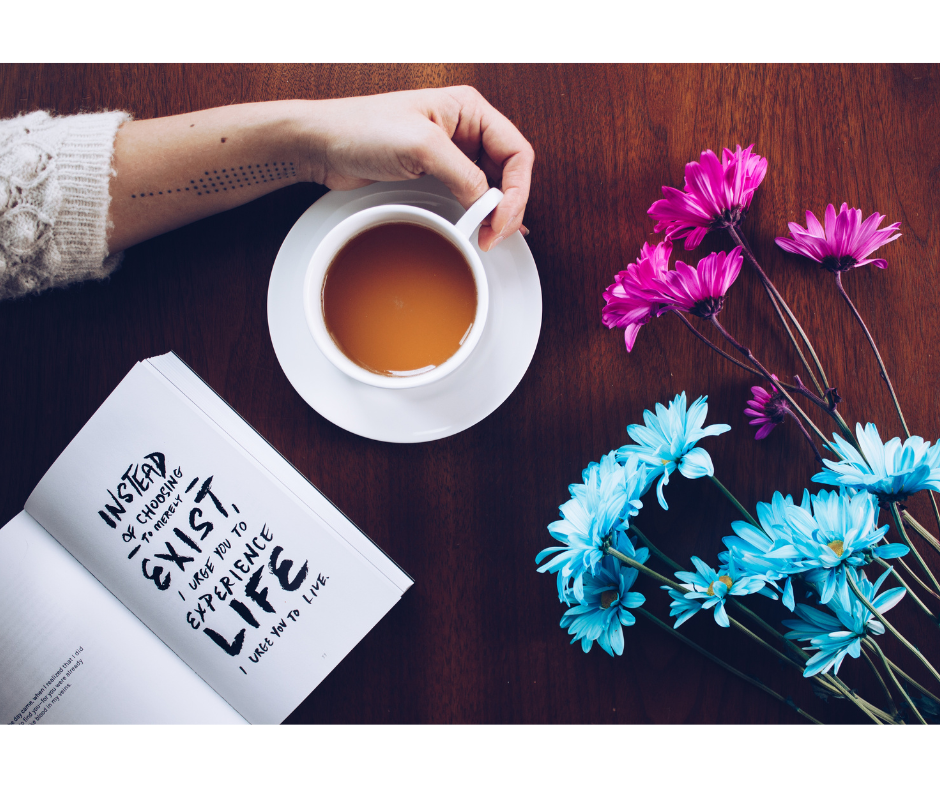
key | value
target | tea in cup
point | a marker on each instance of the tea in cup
(396, 296)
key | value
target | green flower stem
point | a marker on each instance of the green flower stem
(777, 300)
(802, 655)
(919, 582)
(867, 708)
(928, 537)
(890, 627)
(809, 440)
(910, 591)
(874, 347)
(907, 541)
(708, 655)
(892, 706)
(682, 589)
(758, 639)
(745, 351)
(846, 430)
(897, 683)
(830, 682)
(916, 685)
(646, 570)
(826, 682)
(735, 501)
(654, 549)
(933, 503)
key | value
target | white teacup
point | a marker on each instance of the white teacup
(459, 235)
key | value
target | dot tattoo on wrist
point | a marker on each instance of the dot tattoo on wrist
(229, 179)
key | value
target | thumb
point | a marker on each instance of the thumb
(446, 162)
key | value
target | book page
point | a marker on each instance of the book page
(272, 462)
(71, 653)
(235, 576)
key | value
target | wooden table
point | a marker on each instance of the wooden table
(477, 639)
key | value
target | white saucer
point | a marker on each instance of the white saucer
(470, 393)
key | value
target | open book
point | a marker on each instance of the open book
(171, 566)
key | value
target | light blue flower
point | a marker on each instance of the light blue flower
(750, 546)
(667, 442)
(841, 531)
(891, 471)
(605, 609)
(836, 636)
(708, 589)
(598, 509)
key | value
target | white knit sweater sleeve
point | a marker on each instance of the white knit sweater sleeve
(54, 200)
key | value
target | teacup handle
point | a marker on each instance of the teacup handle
(477, 212)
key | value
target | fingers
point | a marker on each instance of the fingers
(507, 158)
(440, 157)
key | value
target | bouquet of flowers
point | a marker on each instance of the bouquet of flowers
(827, 548)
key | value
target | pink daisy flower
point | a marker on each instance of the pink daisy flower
(716, 195)
(635, 296)
(768, 409)
(701, 290)
(845, 242)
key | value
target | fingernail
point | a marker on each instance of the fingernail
(494, 243)
(524, 230)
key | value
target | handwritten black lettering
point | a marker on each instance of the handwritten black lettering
(205, 490)
(233, 648)
(242, 609)
(282, 572)
(172, 555)
(164, 584)
(185, 539)
(205, 527)
(260, 598)
(159, 461)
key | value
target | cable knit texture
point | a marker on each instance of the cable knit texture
(54, 178)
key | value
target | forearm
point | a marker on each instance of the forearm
(172, 171)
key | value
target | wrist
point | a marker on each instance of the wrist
(298, 124)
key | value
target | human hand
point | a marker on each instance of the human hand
(451, 133)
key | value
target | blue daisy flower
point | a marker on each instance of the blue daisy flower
(750, 545)
(841, 531)
(891, 471)
(667, 442)
(598, 509)
(605, 608)
(709, 589)
(835, 636)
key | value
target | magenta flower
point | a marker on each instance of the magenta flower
(701, 290)
(635, 296)
(844, 243)
(768, 409)
(716, 195)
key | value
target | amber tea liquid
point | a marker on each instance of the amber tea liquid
(399, 299)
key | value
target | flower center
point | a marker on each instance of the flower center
(608, 598)
(729, 217)
(723, 579)
(836, 547)
(776, 408)
(708, 307)
(833, 263)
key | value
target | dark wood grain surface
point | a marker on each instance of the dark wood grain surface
(477, 638)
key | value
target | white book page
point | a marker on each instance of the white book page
(236, 577)
(268, 458)
(71, 653)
